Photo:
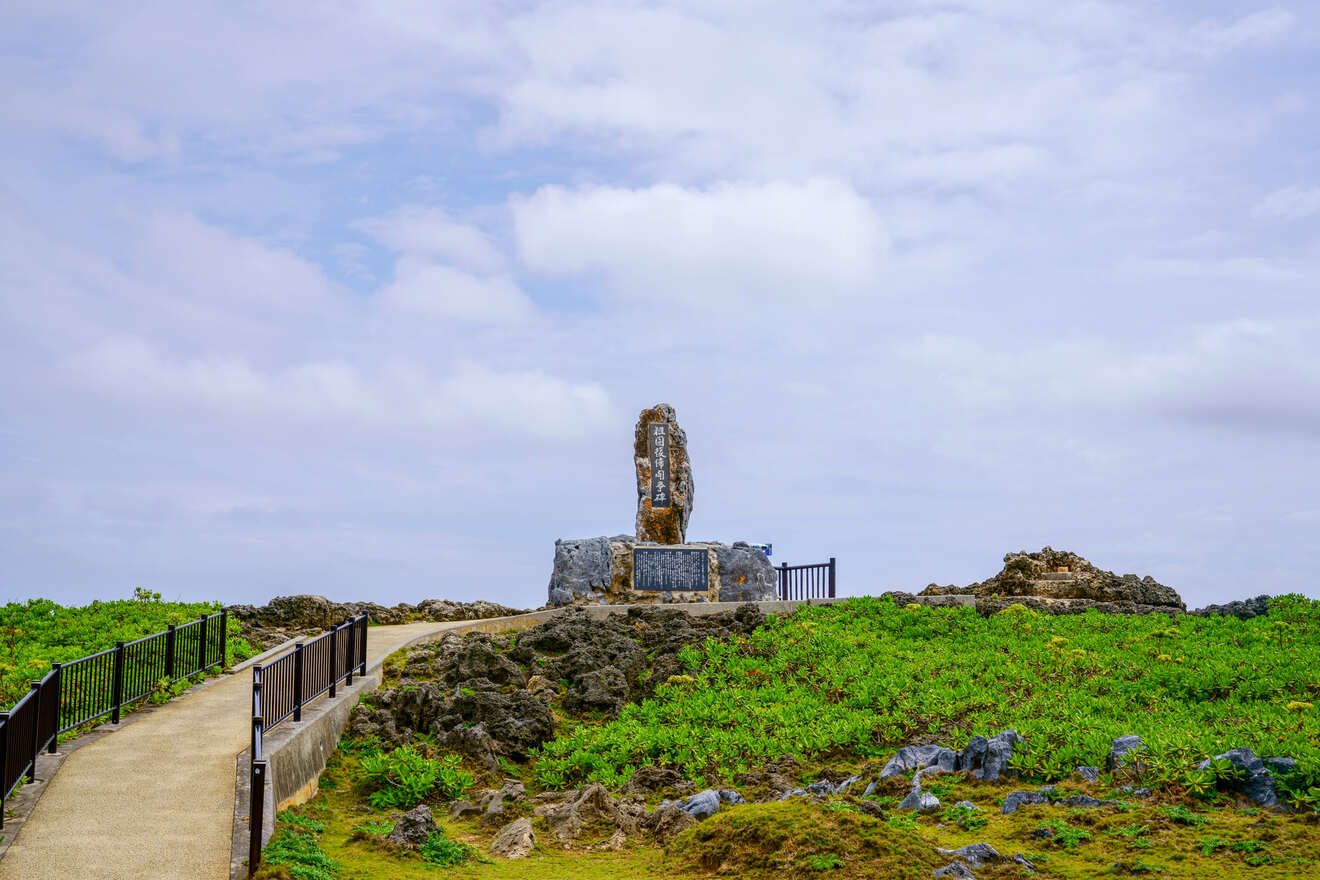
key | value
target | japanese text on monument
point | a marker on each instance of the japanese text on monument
(659, 443)
(668, 568)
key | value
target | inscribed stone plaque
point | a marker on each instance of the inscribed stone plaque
(660, 477)
(670, 568)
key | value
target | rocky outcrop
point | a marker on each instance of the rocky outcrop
(1016, 799)
(1244, 609)
(1060, 582)
(775, 779)
(584, 569)
(984, 758)
(988, 758)
(745, 573)
(909, 759)
(664, 476)
(1124, 751)
(287, 617)
(648, 780)
(977, 855)
(411, 829)
(490, 697)
(668, 822)
(1254, 776)
(515, 840)
(591, 806)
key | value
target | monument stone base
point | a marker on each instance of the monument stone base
(623, 570)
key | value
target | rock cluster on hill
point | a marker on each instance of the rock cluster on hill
(286, 617)
(490, 696)
(1060, 582)
(1244, 609)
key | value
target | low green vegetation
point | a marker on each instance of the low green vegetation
(36, 633)
(841, 687)
(295, 851)
(403, 777)
(858, 678)
(440, 850)
(800, 838)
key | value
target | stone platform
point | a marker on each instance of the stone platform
(623, 570)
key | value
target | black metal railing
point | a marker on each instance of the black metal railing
(282, 687)
(73, 694)
(806, 581)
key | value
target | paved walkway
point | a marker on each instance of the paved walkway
(156, 799)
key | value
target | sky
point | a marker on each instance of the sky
(364, 299)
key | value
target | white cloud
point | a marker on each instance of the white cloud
(397, 396)
(1245, 375)
(971, 166)
(1252, 270)
(199, 261)
(432, 289)
(1260, 28)
(414, 229)
(743, 243)
(1289, 203)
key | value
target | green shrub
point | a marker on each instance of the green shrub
(440, 850)
(1065, 835)
(965, 818)
(403, 778)
(1184, 816)
(302, 854)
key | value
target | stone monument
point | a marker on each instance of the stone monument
(657, 565)
(664, 477)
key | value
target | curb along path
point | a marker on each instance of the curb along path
(156, 798)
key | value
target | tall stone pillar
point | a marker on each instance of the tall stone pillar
(664, 477)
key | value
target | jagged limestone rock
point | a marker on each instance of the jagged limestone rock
(515, 840)
(664, 477)
(1060, 582)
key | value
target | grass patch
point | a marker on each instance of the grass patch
(801, 839)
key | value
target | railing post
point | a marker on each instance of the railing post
(334, 656)
(35, 747)
(256, 813)
(169, 652)
(4, 762)
(57, 680)
(256, 712)
(783, 580)
(224, 638)
(117, 686)
(257, 778)
(297, 681)
(350, 643)
(201, 645)
(362, 669)
(831, 577)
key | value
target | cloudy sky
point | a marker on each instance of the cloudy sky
(364, 299)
